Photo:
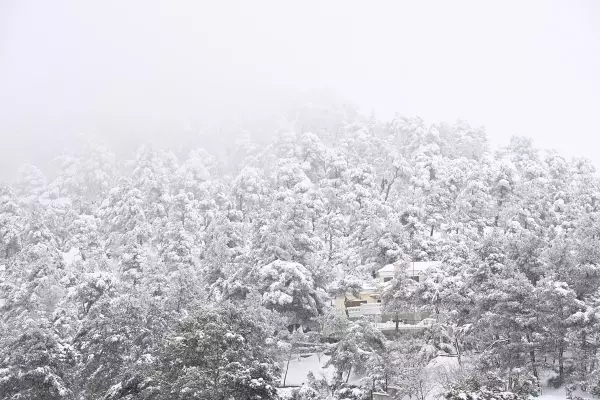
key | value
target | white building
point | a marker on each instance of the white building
(368, 302)
(414, 270)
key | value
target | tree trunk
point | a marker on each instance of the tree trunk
(287, 367)
(585, 361)
(346, 306)
(387, 191)
(593, 355)
(330, 245)
(458, 352)
(561, 359)
(532, 359)
(389, 185)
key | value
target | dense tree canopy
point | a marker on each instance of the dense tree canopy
(108, 266)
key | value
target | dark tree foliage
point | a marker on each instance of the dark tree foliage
(222, 352)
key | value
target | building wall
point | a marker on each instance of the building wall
(409, 318)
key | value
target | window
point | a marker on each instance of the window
(415, 278)
(387, 279)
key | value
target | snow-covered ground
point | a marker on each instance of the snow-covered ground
(71, 256)
(300, 366)
(437, 372)
(556, 394)
(552, 394)
(437, 369)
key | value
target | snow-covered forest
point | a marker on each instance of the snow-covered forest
(198, 276)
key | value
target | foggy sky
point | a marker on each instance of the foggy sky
(121, 68)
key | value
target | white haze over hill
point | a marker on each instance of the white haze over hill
(128, 71)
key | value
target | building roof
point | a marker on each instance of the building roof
(417, 267)
(390, 268)
(368, 287)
